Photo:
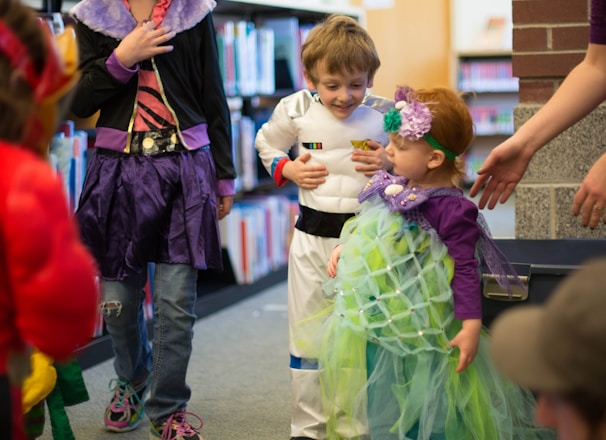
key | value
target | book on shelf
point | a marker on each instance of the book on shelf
(287, 51)
(492, 119)
(243, 130)
(266, 78)
(246, 58)
(99, 323)
(235, 147)
(484, 75)
(248, 153)
(256, 235)
(148, 302)
(226, 46)
(67, 156)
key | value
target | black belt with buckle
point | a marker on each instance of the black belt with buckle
(147, 143)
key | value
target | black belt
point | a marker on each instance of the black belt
(158, 141)
(322, 224)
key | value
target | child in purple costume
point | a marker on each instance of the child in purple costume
(404, 353)
(160, 178)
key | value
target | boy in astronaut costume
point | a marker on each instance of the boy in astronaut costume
(336, 133)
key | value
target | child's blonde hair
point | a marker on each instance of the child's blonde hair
(451, 126)
(343, 44)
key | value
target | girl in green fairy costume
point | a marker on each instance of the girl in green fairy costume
(404, 355)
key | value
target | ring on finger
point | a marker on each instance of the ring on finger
(597, 208)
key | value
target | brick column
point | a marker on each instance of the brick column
(549, 38)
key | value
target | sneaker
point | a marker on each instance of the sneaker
(124, 412)
(177, 427)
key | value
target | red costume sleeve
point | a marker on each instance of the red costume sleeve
(51, 275)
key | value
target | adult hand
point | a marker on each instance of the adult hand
(500, 173)
(590, 199)
(144, 42)
(305, 175)
(374, 159)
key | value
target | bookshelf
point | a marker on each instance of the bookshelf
(481, 67)
(256, 235)
(491, 95)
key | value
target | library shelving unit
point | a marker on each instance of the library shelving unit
(491, 93)
(481, 35)
(263, 215)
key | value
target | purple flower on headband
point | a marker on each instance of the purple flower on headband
(404, 93)
(414, 117)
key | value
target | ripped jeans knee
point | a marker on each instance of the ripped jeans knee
(111, 309)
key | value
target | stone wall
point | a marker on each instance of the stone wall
(549, 38)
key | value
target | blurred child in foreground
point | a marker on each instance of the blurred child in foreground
(48, 293)
(557, 350)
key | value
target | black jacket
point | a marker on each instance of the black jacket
(190, 74)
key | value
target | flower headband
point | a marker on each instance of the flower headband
(411, 119)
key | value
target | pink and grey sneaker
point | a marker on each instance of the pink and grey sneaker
(124, 412)
(176, 427)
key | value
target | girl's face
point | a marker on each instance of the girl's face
(409, 158)
(555, 412)
(341, 93)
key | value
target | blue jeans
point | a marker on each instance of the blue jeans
(174, 297)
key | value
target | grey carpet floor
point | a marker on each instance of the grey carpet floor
(238, 374)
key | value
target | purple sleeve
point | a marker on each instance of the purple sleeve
(226, 187)
(455, 221)
(597, 22)
(119, 70)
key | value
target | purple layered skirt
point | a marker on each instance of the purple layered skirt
(137, 209)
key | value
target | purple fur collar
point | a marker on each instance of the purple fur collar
(111, 18)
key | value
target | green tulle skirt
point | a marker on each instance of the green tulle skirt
(388, 371)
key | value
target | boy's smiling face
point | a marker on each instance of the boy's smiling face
(341, 92)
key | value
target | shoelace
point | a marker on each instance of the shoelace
(178, 422)
(125, 397)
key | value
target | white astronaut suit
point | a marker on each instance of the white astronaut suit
(301, 120)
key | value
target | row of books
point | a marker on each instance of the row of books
(243, 130)
(257, 235)
(260, 58)
(486, 76)
(492, 119)
(67, 156)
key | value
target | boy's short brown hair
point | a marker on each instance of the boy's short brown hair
(343, 44)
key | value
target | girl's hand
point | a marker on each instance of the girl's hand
(374, 159)
(144, 42)
(468, 340)
(333, 260)
(304, 175)
(224, 205)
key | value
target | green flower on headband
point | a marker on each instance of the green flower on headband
(392, 120)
